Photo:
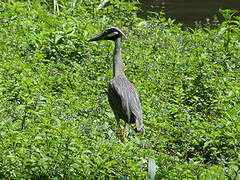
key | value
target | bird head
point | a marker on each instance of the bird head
(108, 34)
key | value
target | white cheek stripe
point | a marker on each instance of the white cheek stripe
(112, 34)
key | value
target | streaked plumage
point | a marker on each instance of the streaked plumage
(125, 101)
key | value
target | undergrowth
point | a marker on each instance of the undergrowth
(55, 121)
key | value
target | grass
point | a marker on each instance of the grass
(56, 122)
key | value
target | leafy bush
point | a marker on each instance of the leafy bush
(55, 119)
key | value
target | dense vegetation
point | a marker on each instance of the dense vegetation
(55, 120)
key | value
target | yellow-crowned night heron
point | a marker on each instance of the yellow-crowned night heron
(122, 95)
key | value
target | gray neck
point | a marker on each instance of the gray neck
(117, 59)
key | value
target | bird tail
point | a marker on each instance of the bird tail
(140, 130)
(139, 125)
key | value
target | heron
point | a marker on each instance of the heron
(122, 95)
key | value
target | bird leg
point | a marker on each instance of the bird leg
(125, 131)
(119, 131)
(118, 128)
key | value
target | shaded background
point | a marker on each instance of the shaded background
(188, 11)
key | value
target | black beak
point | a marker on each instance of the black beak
(97, 38)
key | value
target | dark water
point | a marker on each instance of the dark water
(189, 11)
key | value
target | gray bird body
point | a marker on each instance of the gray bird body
(124, 101)
(122, 95)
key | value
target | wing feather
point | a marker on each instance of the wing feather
(124, 101)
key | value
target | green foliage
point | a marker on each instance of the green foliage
(55, 121)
